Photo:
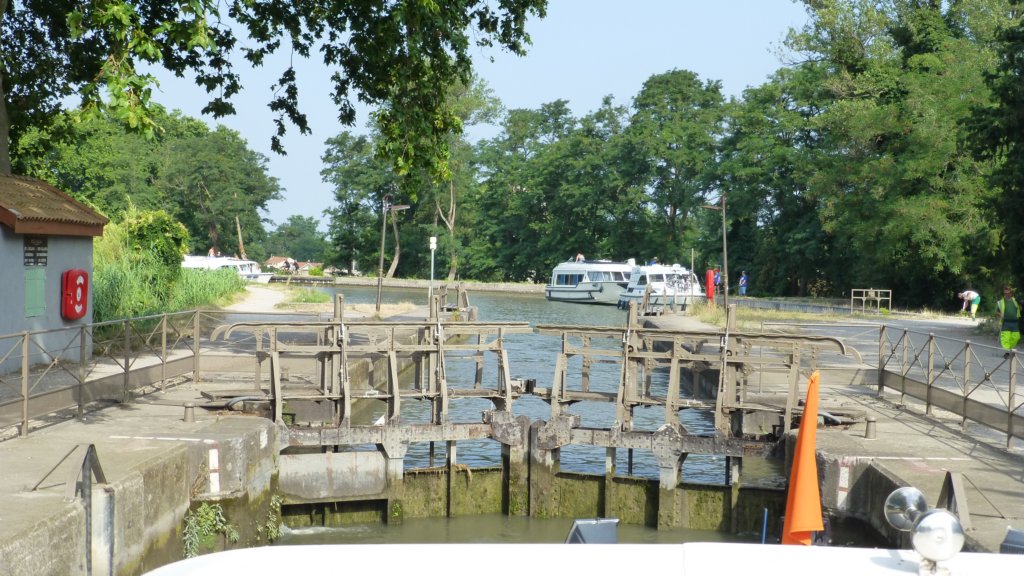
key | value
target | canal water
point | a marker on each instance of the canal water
(533, 356)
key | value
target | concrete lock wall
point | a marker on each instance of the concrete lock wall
(138, 518)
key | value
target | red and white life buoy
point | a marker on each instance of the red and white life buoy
(74, 291)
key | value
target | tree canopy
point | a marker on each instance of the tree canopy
(398, 57)
(207, 179)
(886, 153)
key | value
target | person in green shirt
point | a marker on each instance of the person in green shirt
(1009, 321)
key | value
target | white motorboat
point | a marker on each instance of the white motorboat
(669, 286)
(247, 269)
(588, 281)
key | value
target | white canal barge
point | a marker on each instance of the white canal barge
(588, 281)
(668, 285)
(247, 269)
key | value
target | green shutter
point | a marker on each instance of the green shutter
(35, 291)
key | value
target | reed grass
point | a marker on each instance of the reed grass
(197, 288)
(128, 283)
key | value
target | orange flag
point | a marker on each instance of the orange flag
(803, 503)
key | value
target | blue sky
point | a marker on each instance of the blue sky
(582, 51)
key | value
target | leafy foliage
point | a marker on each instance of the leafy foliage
(850, 167)
(159, 234)
(137, 270)
(299, 239)
(209, 180)
(997, 135)
(360, 183)
(201, 524)
(400, 57)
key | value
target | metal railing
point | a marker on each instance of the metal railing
(114, 361)
(880, 298)
(973, 381)
(71, 368)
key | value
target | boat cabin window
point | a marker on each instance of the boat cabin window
(568, 279)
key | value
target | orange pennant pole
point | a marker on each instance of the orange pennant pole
(803, 502)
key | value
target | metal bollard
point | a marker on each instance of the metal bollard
(190, 411)
(869, 428)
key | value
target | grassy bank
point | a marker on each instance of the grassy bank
(130, 282)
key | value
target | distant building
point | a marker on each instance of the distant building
(275, 262)
(305, 267)
(46, 241)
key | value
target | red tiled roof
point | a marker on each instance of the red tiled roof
(30, 206)
(275, 260)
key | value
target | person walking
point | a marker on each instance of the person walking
(973, 298)
(1009, 321)
(743, 283)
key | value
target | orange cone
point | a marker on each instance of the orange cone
(803, 503)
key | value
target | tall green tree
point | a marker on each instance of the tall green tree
(676, 123)
(218, 186)
(360, 181)
(512, 213)
(400, 57)
(894, 184)
(442, 209)
(103, 164)
(998, 137)
(207, 179)
(765, 162)
(299, 238)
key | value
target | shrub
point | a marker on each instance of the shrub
(137, 270)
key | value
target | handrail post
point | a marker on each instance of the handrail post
(163, 350)
(195, 346)
(81, 372)
(24, 384)
(930, 374)
(904, 362)
(905, 356)
(967, 378)
(125, 391)
(1011, 402)
(882, 361)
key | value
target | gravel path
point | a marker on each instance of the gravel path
(258, 299)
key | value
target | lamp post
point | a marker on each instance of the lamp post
(387, 208)
(430, 291)
(725, 254)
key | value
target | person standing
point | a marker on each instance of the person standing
(743, 283)
(973, 298)
(1009, 321)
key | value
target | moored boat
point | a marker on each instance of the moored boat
(588, 281)
(247, 269)
(669, 286)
